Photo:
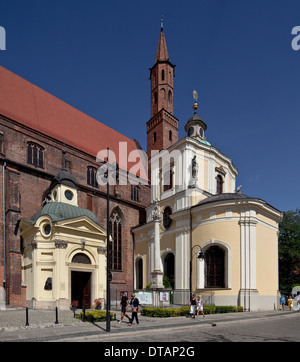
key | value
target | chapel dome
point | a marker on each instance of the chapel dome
(59, 211)
(65, 178)
(195, 119)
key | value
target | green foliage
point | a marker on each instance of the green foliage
(183, 311)
(289, 251)
(166, 282)
(148, 286)
(95, 316)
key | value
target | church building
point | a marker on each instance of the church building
(201, 232)
(53, 209)
(192, 227)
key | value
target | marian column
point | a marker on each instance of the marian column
(157, 274)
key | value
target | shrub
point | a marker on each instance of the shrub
(166, 282)
(182, 311)
(95, 316)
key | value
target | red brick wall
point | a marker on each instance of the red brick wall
(25, 186)
(162, 123)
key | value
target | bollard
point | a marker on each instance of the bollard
(83, 312)
(56, 313)
(27, 324)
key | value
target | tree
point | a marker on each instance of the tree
(289, 251)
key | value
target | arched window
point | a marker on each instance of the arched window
(169, 268)
(170, 135)
(170, 96)
(155, 97)
(35, 154)
(154, 137)
(167, 221)
(92, 176)
(135, 193)
(163, 74)
(81, 259)
(215, 267)
(219, 186)
(139, 273)
(168, 180)
(115, 222)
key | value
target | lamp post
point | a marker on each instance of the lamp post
(107, 250)
(200, 256)
(107, 175)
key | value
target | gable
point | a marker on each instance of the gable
(82, 224)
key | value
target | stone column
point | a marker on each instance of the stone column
(157, 274)
(248, 293)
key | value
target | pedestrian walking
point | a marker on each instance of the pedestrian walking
(290, 302)
(282, 302)
(134, 302)
(200, 306)
(193, 305)
(124, 305)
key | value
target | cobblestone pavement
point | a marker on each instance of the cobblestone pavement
(15, 319)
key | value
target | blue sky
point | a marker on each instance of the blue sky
(237, 54)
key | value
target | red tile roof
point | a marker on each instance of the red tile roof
(31, 106)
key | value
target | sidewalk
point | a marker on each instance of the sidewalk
(42, 325)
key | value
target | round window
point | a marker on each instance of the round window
(47, 229)
(69, 195)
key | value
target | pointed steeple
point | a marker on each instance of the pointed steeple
(162, 51)
(162, 128)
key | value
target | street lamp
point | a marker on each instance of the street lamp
(115, 174)
(107, 250)
(200, 256)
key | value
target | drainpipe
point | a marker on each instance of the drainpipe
(4, 224)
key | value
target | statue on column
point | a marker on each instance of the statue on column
(156, 212)
(194, 172)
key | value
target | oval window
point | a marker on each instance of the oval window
(69, 195)
(47, 229)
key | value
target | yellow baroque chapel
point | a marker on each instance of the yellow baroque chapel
(202, 233)
(64, 250)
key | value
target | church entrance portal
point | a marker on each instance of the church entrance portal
(81, 288)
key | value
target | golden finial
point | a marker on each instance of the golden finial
(195, 96)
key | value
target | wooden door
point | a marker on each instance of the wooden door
(87, 292)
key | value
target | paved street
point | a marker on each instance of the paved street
(273, 326)
(283, 328)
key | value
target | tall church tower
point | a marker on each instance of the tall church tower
(162, 128)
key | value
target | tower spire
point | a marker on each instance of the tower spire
(162, 128)
(162, 50)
